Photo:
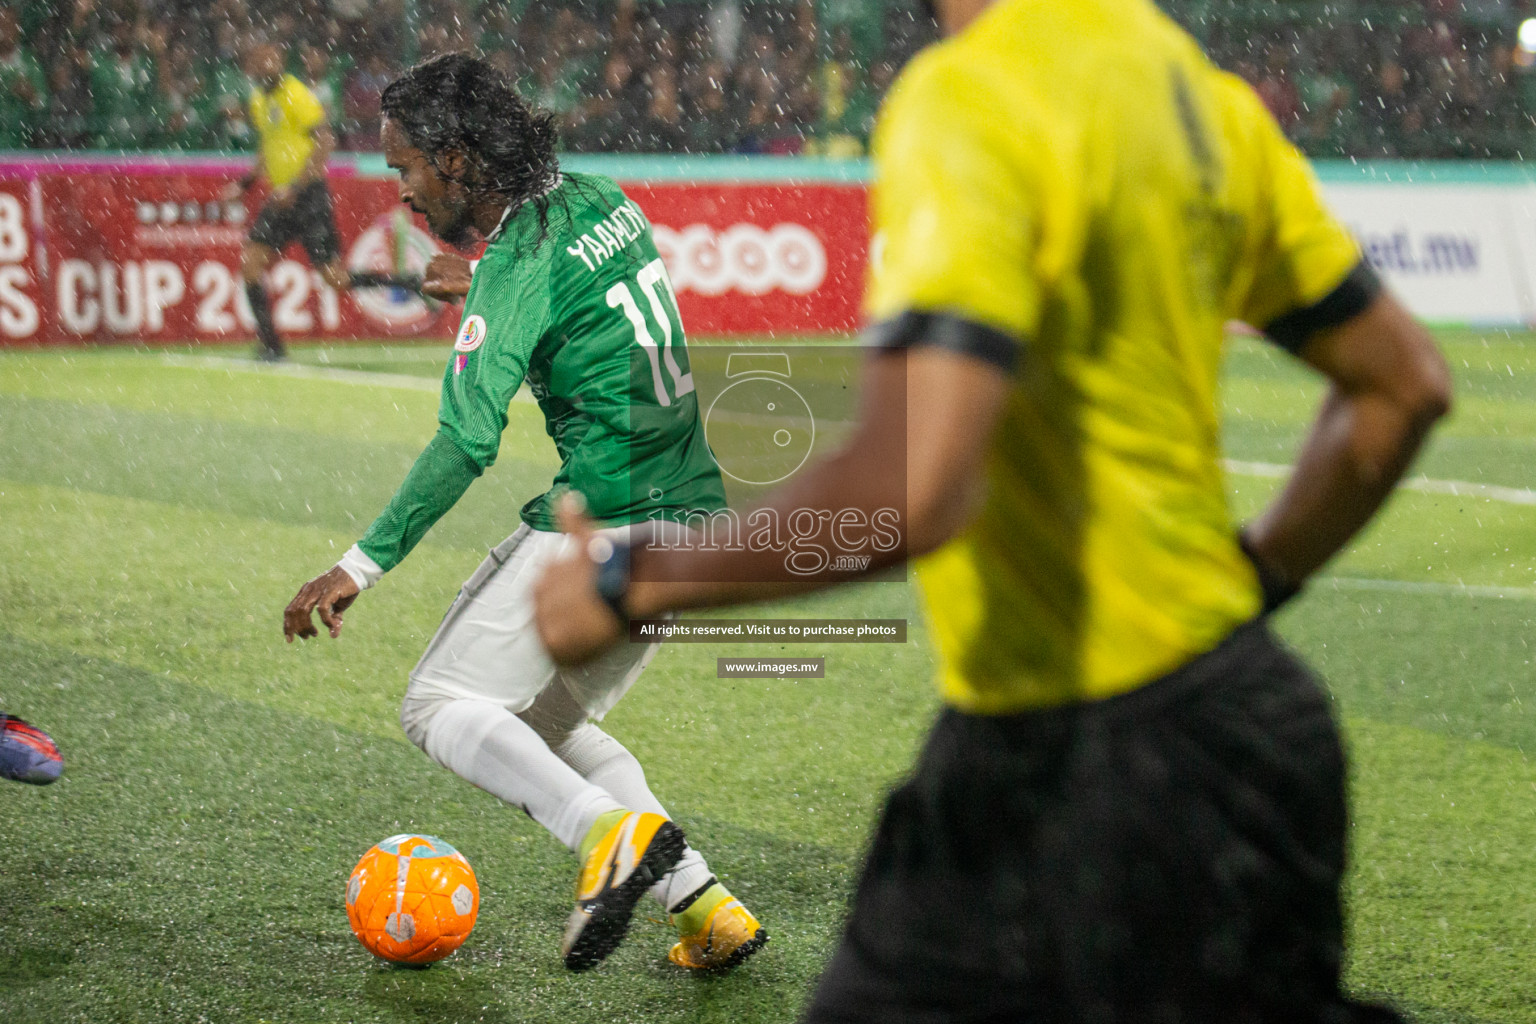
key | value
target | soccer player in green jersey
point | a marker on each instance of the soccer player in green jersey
(570, 297)
(1132, 808)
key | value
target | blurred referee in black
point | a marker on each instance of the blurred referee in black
(1132, 809)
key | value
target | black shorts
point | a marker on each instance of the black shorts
(1171, 855)
(308, 218)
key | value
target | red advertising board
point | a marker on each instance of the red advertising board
(761, 257)
(148, 251)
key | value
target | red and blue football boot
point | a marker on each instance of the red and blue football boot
(27, 754)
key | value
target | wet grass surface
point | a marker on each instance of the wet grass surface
(159, 513)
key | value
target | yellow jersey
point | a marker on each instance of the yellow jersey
(1074, 177)
(284, 119)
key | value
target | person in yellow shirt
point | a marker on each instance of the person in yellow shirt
(1132, 808)
(294, 143)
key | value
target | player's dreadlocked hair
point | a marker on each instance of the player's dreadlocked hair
(455, 101)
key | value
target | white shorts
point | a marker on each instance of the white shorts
(488, 647)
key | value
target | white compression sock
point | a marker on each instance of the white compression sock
(499, 752)
(608, 764)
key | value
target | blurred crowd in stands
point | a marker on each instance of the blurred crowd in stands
(1427, 83)
(714, 76)
(763, 76)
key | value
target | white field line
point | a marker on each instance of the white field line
(402, 354)
(1424, 484)
(1267, 470)
(307, 371)
(410, 382)
(1426, 588)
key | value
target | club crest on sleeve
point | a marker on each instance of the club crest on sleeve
(471, 334)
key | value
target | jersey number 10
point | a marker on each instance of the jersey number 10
(652, 281)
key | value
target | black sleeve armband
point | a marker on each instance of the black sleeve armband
(952, 333)
(613, 567)
(1293, 330)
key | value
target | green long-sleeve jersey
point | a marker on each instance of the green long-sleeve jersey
(576, 302)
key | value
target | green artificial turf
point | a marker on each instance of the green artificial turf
(159, 509)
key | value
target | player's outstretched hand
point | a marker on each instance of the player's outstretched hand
(446, 278)
(575, 624)
(330, 594)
